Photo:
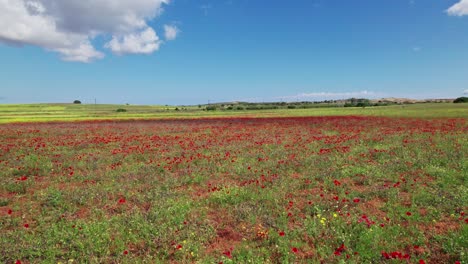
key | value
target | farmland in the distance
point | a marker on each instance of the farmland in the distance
(336, 189)
(78, 112)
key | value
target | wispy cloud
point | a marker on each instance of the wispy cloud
(465, 92)
(315, 96)
(326, 95)
(171, 32)
(459, 9)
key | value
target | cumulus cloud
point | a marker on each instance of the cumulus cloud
(459, 9)
(69, 27)
(170, 32)
(145, 42)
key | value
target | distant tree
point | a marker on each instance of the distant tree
(120, 110)
(77, 102)
(361, 104)
(461, 100)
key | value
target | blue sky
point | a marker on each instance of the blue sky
(226, 50)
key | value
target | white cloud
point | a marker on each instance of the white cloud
(84, 52)
(466, 91)
(170, 32)
(69, 27)
(327, 95)
(459, 9)
(145, 42)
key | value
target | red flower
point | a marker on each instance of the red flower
(294, 249)
(339, 250)
(122, 201)
(281, 233)
(227, 253)
(26, 225)
(125, 252)
(385, 255)
(18, 262)
(9, 211)
(422, 261)
(457, 262)
(395, 255)
(179, 246)
(408, 213)
(356, 200)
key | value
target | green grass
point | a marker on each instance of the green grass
(74, 112)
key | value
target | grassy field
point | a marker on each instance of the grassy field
(374, 185)
(73, 112)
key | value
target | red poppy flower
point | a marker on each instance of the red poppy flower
(9, 211)
(408, 213)
(281, 233)
(422, 261)
(26, 225)
(125, 252)
(227, 253)
(356, 200)
(122, 201)
(339, 250)
(294, 249)
(18, 262)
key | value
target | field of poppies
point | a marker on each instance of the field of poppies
(349, 189)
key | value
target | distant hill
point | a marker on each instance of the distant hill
(314, 104)
(410, 101)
